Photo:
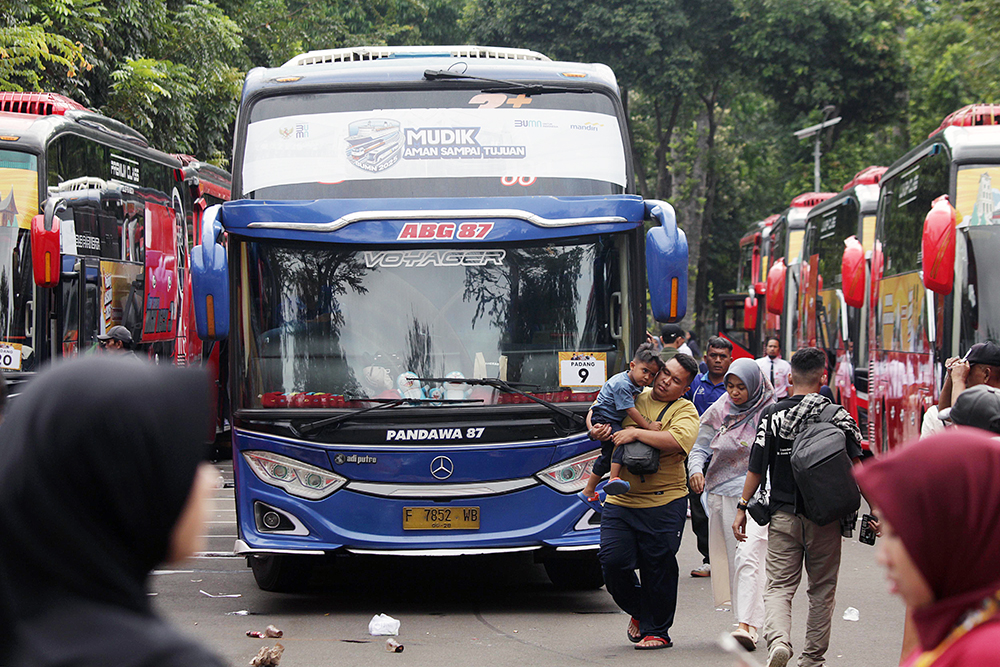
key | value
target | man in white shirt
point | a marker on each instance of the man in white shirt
(775, 368)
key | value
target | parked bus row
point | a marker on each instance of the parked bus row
(884, 275)
(96, 229)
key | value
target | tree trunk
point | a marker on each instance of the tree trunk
(702, 306)
(691, 207)
(664, 183)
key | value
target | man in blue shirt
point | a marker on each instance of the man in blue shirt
(705, 390)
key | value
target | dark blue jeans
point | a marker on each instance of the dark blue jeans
(646, 539)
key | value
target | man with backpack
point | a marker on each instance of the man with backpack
(808, 463)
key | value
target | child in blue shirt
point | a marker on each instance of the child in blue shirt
(615, 401)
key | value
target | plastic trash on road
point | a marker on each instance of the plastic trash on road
(382, 624)
(270, 632)
(268, 656)
(852, 614)
(392, 646)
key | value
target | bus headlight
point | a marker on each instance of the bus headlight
(297, 478)
(570, 476)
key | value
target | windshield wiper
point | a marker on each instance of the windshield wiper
(502, 86)
(383, 403)
(509, 388)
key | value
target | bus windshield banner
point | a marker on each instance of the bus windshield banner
(433, 143)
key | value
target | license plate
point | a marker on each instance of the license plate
(440, 518)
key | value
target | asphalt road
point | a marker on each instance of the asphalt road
(480, 612)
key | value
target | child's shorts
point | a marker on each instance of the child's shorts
(609, 454)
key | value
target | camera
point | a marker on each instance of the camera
(867, 534)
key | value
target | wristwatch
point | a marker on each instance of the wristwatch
(741, 505)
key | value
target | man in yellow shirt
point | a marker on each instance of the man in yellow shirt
(642, 528)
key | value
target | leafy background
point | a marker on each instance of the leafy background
(714, 88)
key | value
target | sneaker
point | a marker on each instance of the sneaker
(616, 486)
(705, 570)
(779, 656)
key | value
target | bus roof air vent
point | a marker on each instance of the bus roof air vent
(39, 104)
(867, 176)
(971, 116)
(368, 53)
(810, 199)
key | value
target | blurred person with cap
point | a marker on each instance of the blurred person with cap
(938, 514)
(978, 407)
(674, 340)
(117, 339)
(980, 366)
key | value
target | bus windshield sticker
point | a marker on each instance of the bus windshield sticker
(977, 197)
(390, 259)
(433, 143)
(583, 369)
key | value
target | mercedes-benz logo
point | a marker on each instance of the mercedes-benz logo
(442, 467)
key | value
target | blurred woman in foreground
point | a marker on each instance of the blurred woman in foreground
(939, 507)
(101, 479)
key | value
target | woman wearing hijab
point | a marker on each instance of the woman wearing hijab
(101, 479)
(939, 508)
(728, 429)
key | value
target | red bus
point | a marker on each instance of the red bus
(95, 229)
(832, 303)
(738, 311)
(936, 243)
(783, 248)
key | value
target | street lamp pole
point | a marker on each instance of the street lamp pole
(817, 131)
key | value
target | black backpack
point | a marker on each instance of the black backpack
(822, 470)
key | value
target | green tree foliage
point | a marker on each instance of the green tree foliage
(810, 54)
(43, 44)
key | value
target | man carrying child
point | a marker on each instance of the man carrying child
(642, 527)
(615, 402)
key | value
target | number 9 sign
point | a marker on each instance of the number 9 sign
(10, 357)
(582, 369)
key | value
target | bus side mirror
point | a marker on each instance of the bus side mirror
(750, 313)
(776, 288)
(666, 264)
(210, 279)
(852, 271)
(938, 245)
(46, 256)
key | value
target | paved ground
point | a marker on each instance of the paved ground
(481, 612)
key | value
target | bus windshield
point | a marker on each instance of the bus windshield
(18, 204)
(432, 142)
(343, 322)
(978, 200)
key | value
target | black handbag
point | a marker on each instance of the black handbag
(759, 506)
(640, 458)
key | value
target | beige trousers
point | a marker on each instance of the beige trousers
(794, 541)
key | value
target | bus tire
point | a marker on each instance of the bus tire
(281, 573)
(578, 574)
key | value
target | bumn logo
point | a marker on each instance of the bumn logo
(374, 144)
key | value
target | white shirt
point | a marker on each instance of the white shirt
(781, 369)
(685, 349)
(932, 423)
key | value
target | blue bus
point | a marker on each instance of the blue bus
(431, 263)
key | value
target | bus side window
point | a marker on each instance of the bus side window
(909, 198)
